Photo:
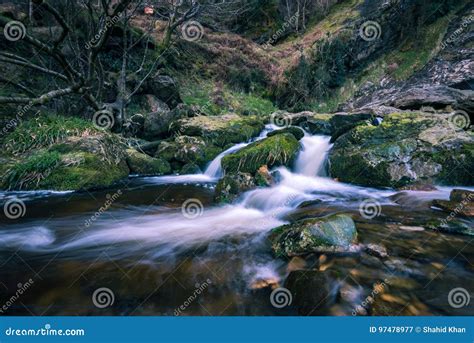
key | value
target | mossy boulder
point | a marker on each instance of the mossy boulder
(406, 148)
(295, 131)
(143, 164)
(221, 130)
(184, 150)
(327, 234)
(61, 153)
(273, 151)
(52, 170)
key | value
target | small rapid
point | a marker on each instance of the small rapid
(256, 211)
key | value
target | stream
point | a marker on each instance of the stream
(163, 238)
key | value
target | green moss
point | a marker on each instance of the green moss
(313, 235)
(213, 99)
(44, 131)
(145, 165)
(28, 174)
(273, 151)
(294, 130)
(88, 171)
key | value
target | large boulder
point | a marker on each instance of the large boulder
(157, 122)
(163, 87)
(184, 150)
(220, 130)
(435, 96)
(77, 163)
(143, 164)
(273, 151)
(327, 234)
(406, 148)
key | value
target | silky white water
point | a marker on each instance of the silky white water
(256, 211)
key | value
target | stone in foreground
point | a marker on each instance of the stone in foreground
(333, 233)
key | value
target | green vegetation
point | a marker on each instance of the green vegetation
(44, 131)
(217, 99)
(272, 151)
(29, 172)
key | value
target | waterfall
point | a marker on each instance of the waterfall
(256, 211)
(312, 158)
(214, 169)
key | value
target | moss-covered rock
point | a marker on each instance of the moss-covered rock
(59, 153)
(221, 130)
(327, 234)
(272, 151)
(406, 148)
(232, 185)
(185, 150)
(143, 164)
(295, 131)
(68, 171)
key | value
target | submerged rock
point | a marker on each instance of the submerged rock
(310, 291)
(406, 148)
(273, 151)
(327, 234)
(460, 203)
(143, 164)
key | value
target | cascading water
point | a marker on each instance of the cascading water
(311, 160)
(214, 170)
(147, 237)
(257, 211)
